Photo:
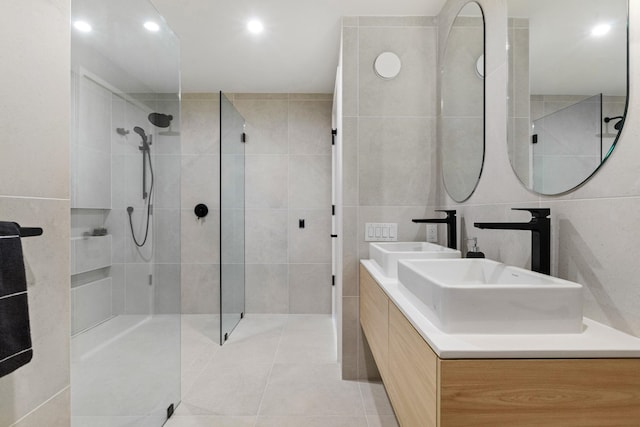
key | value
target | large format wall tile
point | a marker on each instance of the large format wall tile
(416, 47)
(200, 288)
(267, 288)
(287, 166)
(200, 237)
(582, 251)
(92, 304)
(266, 183)
(200, 181)
(46, 261)
(310, 127)
(350, 260)
(310, 288)
(167, 239)
(350, 70)
(34, 114)
(93, 170)
(349, 161)
(167, 293)
(311, 244)
(138, 293)
(266, 238)
(389, 150)
(350, 330)
(166, 183)
(200, 133)
(118, 288)
(394, 160)
(309, 182)
(35, 122)
(53, 413)
(266, 125)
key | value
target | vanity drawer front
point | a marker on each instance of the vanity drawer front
(550, 392)
(412, 379)
(374, 318)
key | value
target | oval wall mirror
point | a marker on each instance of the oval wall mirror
(462, 103)
(567, 94)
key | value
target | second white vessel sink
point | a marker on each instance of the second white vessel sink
(480, 296)
(387, 254)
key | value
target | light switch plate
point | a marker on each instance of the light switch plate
(381, 232)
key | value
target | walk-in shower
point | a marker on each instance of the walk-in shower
(125, 179)
(572, 140)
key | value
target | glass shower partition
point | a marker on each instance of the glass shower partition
(125, 215)
(232, 217)
(568, 145)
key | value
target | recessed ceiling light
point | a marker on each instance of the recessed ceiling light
(255, 26)
(82, 26)
(152, 26)
(600, 30)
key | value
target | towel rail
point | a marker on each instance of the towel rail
(29, 231)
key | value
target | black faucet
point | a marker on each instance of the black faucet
(450, 220)
(540, 227)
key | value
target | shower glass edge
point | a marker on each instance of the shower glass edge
(232, 217)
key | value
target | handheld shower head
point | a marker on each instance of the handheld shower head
(143, 135)
(141, 132)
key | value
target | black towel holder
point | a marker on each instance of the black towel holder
(29, 231)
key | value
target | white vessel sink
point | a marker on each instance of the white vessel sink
(387, 254)
(480, 296)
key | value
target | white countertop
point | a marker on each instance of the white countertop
(596, 340)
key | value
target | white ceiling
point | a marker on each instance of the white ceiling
(298, 51)
(564, 58)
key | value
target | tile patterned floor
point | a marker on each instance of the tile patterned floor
(275, 371)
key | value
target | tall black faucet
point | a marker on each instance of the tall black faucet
(540, 227)
(450, 220)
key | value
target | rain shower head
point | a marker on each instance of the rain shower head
(160, 120)
(163, 121)
(619, 123)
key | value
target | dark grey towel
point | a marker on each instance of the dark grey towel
(15, 332)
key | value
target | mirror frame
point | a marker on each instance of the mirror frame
(484, 102)
(613, 144)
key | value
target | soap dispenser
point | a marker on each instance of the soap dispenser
(475, 250)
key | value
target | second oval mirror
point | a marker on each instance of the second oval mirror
(567, 89)
(462, 115)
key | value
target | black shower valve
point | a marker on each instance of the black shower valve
(201, 210)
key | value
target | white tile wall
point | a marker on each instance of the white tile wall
(288, 166)
(389, 150)
(34, 191)
(91, 157)
(92, 304)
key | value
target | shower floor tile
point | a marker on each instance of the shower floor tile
(275, 370)
(111, 365)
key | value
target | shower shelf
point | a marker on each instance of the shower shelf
(90, 253)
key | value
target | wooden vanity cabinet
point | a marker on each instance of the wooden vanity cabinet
(412, 373)
(374, 315)
(428, 391)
